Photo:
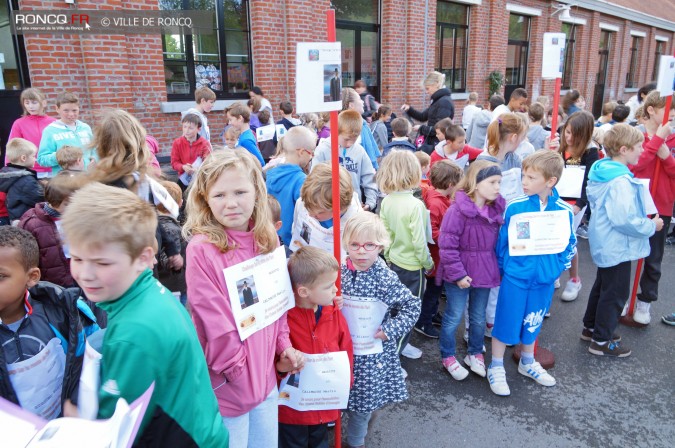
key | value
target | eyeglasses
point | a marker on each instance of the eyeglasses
(367, 246)
(311, 154)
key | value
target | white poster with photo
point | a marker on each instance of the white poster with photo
(539, 233)
(265, 133)
(647, 199)
(318, 77)
(323, 383)
(571, 181)
(554, 55)
(260, 291)
(512, 184)
(364, 317)
(665, 83)
(281, 131)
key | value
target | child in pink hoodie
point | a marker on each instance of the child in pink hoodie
(228, 220)
(33, 122)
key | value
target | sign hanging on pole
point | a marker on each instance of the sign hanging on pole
(554, 55)
(318, 77)
(665, 83)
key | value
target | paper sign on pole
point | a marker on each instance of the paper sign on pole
(554, 55)
(665, 83)
(321, 385)
(260, 291)
(318, 77)
(539, 233)
(650, 206)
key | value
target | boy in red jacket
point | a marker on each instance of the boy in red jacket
(453, 145)
(316, 326)
(188, 148)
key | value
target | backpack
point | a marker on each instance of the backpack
(366, 106)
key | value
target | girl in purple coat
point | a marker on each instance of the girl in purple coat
(468, 265)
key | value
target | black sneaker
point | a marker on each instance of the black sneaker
(609, 349)
(437, 319)
(670, 241)
(587, 335)
(428, 330)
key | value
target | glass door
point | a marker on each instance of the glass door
(517, 53)
(601, 76)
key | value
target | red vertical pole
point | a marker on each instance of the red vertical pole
(335, 165)
(556, 103)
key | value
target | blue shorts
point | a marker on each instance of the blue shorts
(520, 312)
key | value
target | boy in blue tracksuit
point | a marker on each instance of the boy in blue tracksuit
(527, 281)
(618, 233)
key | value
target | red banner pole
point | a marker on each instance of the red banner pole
(335, 166)
(556, 104)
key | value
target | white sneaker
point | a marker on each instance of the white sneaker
(476, 363)
(641, 314)
(466, 335)
(409, 351)
(454, 368)
(556, 285)
(404, 373)
(497, 378)
(537, 373)
(571, 291)
(625, 309)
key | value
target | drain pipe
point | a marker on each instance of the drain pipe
(426, 37)
(287, 55)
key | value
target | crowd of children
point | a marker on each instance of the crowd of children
(93, 238)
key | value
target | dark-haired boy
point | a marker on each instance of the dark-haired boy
(401, 128)
(205, 99)
(189, 147)
(239, 117)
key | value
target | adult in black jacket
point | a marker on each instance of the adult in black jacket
(441, 107)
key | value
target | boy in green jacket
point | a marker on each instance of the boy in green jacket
(150, 337)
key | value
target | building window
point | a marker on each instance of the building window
(220, 60)
(660, 48)
(632, 75)
(570, 30)
(517, 53)
(358, 31)
(452, 25)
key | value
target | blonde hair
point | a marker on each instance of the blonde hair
(63, 185)
(200, 219)
(232, 132)
(66, 98)
(204, 93)
(125, 219)
(399, 171)
(310, 121)
(349, 95)
(365, 225)
(174, 191)
(33, 94)
(468, 184)
(308, 263)
(299, 137)
(434, 79)
(324, 120)
(473, 96)
(549, 163)
(317, 191)
(68, 155)
(350, 123)
(423, 158)
(119, 140)
(19, 147)
(656, 101)
(275, 208)
(240, 110)
(620, 135)
(501, 128)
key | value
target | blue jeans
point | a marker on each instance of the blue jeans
(258, 427)
(357, 427)
(457, 297)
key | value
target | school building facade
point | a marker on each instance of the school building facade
(612, 49)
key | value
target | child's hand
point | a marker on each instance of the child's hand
(188, 168)
(663, 153)
(176, 262)
(339, 302)
(405, 108)
(292, 360)
(663, 131)
(659, 222)
(465, 282)
(380, 335)
(70, 410)
(575, 209)
(365, 207)
(552, 145)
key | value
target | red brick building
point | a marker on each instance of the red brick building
(391, 44)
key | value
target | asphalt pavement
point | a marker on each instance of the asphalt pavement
(597, 402)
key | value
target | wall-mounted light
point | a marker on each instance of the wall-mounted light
(564, 11)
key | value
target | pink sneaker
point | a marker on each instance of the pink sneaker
(455, 368)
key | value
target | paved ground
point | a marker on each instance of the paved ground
(598, 402)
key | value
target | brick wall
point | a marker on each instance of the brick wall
(127, 71)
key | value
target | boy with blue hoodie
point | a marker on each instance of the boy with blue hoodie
(284, 181)
(67, 130)
(527, 280)
(618, 233)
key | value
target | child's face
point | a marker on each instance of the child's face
(106, 271)
(34, 107)
(236, 122)
(425, 170)
(29, 160)
(190, 131)
(569, 138)
(357, 105)
(535, 183)
(323, 214)
(656, 114)
(230, 140)
(518, 105)
(322, 291)
(14, 280)
(232, 199)
(633, 154)
(362, 258)
(439, 135)
(207, 105)
(452, 146)
(346, 140)
(488, 188)
(68, 113)
(79, 165)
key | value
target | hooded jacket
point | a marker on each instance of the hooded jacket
(329, 334)
(665, 189)
(476, 135)
(30, 128)
(441, 107)
(438, 205)
(54, 266)
(284, 183)
(462, 157)
(534, 270)
(183, 152)
(467, 242)
(619, 229)
(57, 135)
(22, 189)
(399, 145)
